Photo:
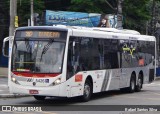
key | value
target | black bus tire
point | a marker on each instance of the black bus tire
(39, 98)
(132, 86)
(87, 92)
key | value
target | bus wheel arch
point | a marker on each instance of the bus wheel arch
(88, 89)
(139, 81)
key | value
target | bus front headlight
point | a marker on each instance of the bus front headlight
(56, 82)
(14, 80)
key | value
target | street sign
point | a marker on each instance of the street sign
(16, 21)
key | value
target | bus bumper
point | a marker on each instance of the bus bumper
(33, 90)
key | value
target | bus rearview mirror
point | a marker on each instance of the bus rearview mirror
(5, 48)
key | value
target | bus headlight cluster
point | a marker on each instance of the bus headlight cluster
(57, 81)
(14, 80)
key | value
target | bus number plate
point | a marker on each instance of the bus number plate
(33, 92)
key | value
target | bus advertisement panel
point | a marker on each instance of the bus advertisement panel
(71, 18)
(79, 19)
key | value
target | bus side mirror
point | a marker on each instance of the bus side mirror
(5, 48)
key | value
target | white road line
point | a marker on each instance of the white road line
(4, 85)
(156, 83)
(153, 84)
(21, 112)
(45, 112)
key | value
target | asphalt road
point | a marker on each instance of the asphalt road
(110, 101)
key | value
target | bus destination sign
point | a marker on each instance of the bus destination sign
(38, 34)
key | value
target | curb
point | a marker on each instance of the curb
(157, 78)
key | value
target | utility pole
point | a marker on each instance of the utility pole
(32, 14)
(13, 13)
(119, 14)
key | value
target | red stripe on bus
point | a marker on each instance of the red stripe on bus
(36, 75)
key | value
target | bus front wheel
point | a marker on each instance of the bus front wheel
(39, 97)
(87, 92)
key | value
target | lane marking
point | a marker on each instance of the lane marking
(27, 112)
(154, 93)
(45, 112)
(150, 98)
(140, 98)
(3, 85)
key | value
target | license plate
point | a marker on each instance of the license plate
(33, 92)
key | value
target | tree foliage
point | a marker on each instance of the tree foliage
(135, 12)
(23, 11)
(4, 20)
(91, 6)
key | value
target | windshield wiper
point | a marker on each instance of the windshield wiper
(46, 47)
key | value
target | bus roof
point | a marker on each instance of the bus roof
(108, 33)
(94, 31)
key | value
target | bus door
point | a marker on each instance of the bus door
(74, 74)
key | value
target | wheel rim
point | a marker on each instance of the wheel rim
(87, 90)
(139, 83)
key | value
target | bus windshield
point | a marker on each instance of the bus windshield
(35, 55)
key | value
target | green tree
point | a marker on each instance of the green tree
(135, 12)
(92, 6)
(23, 11)
(4, 21)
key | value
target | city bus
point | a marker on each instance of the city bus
(70, 61)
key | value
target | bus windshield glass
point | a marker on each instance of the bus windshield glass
(40, 55)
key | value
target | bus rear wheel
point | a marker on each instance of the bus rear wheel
(139, 83)
(40, 98)
(87, 93)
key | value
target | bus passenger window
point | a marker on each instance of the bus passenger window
(107, 64)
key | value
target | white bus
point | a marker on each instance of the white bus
(63, 61)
